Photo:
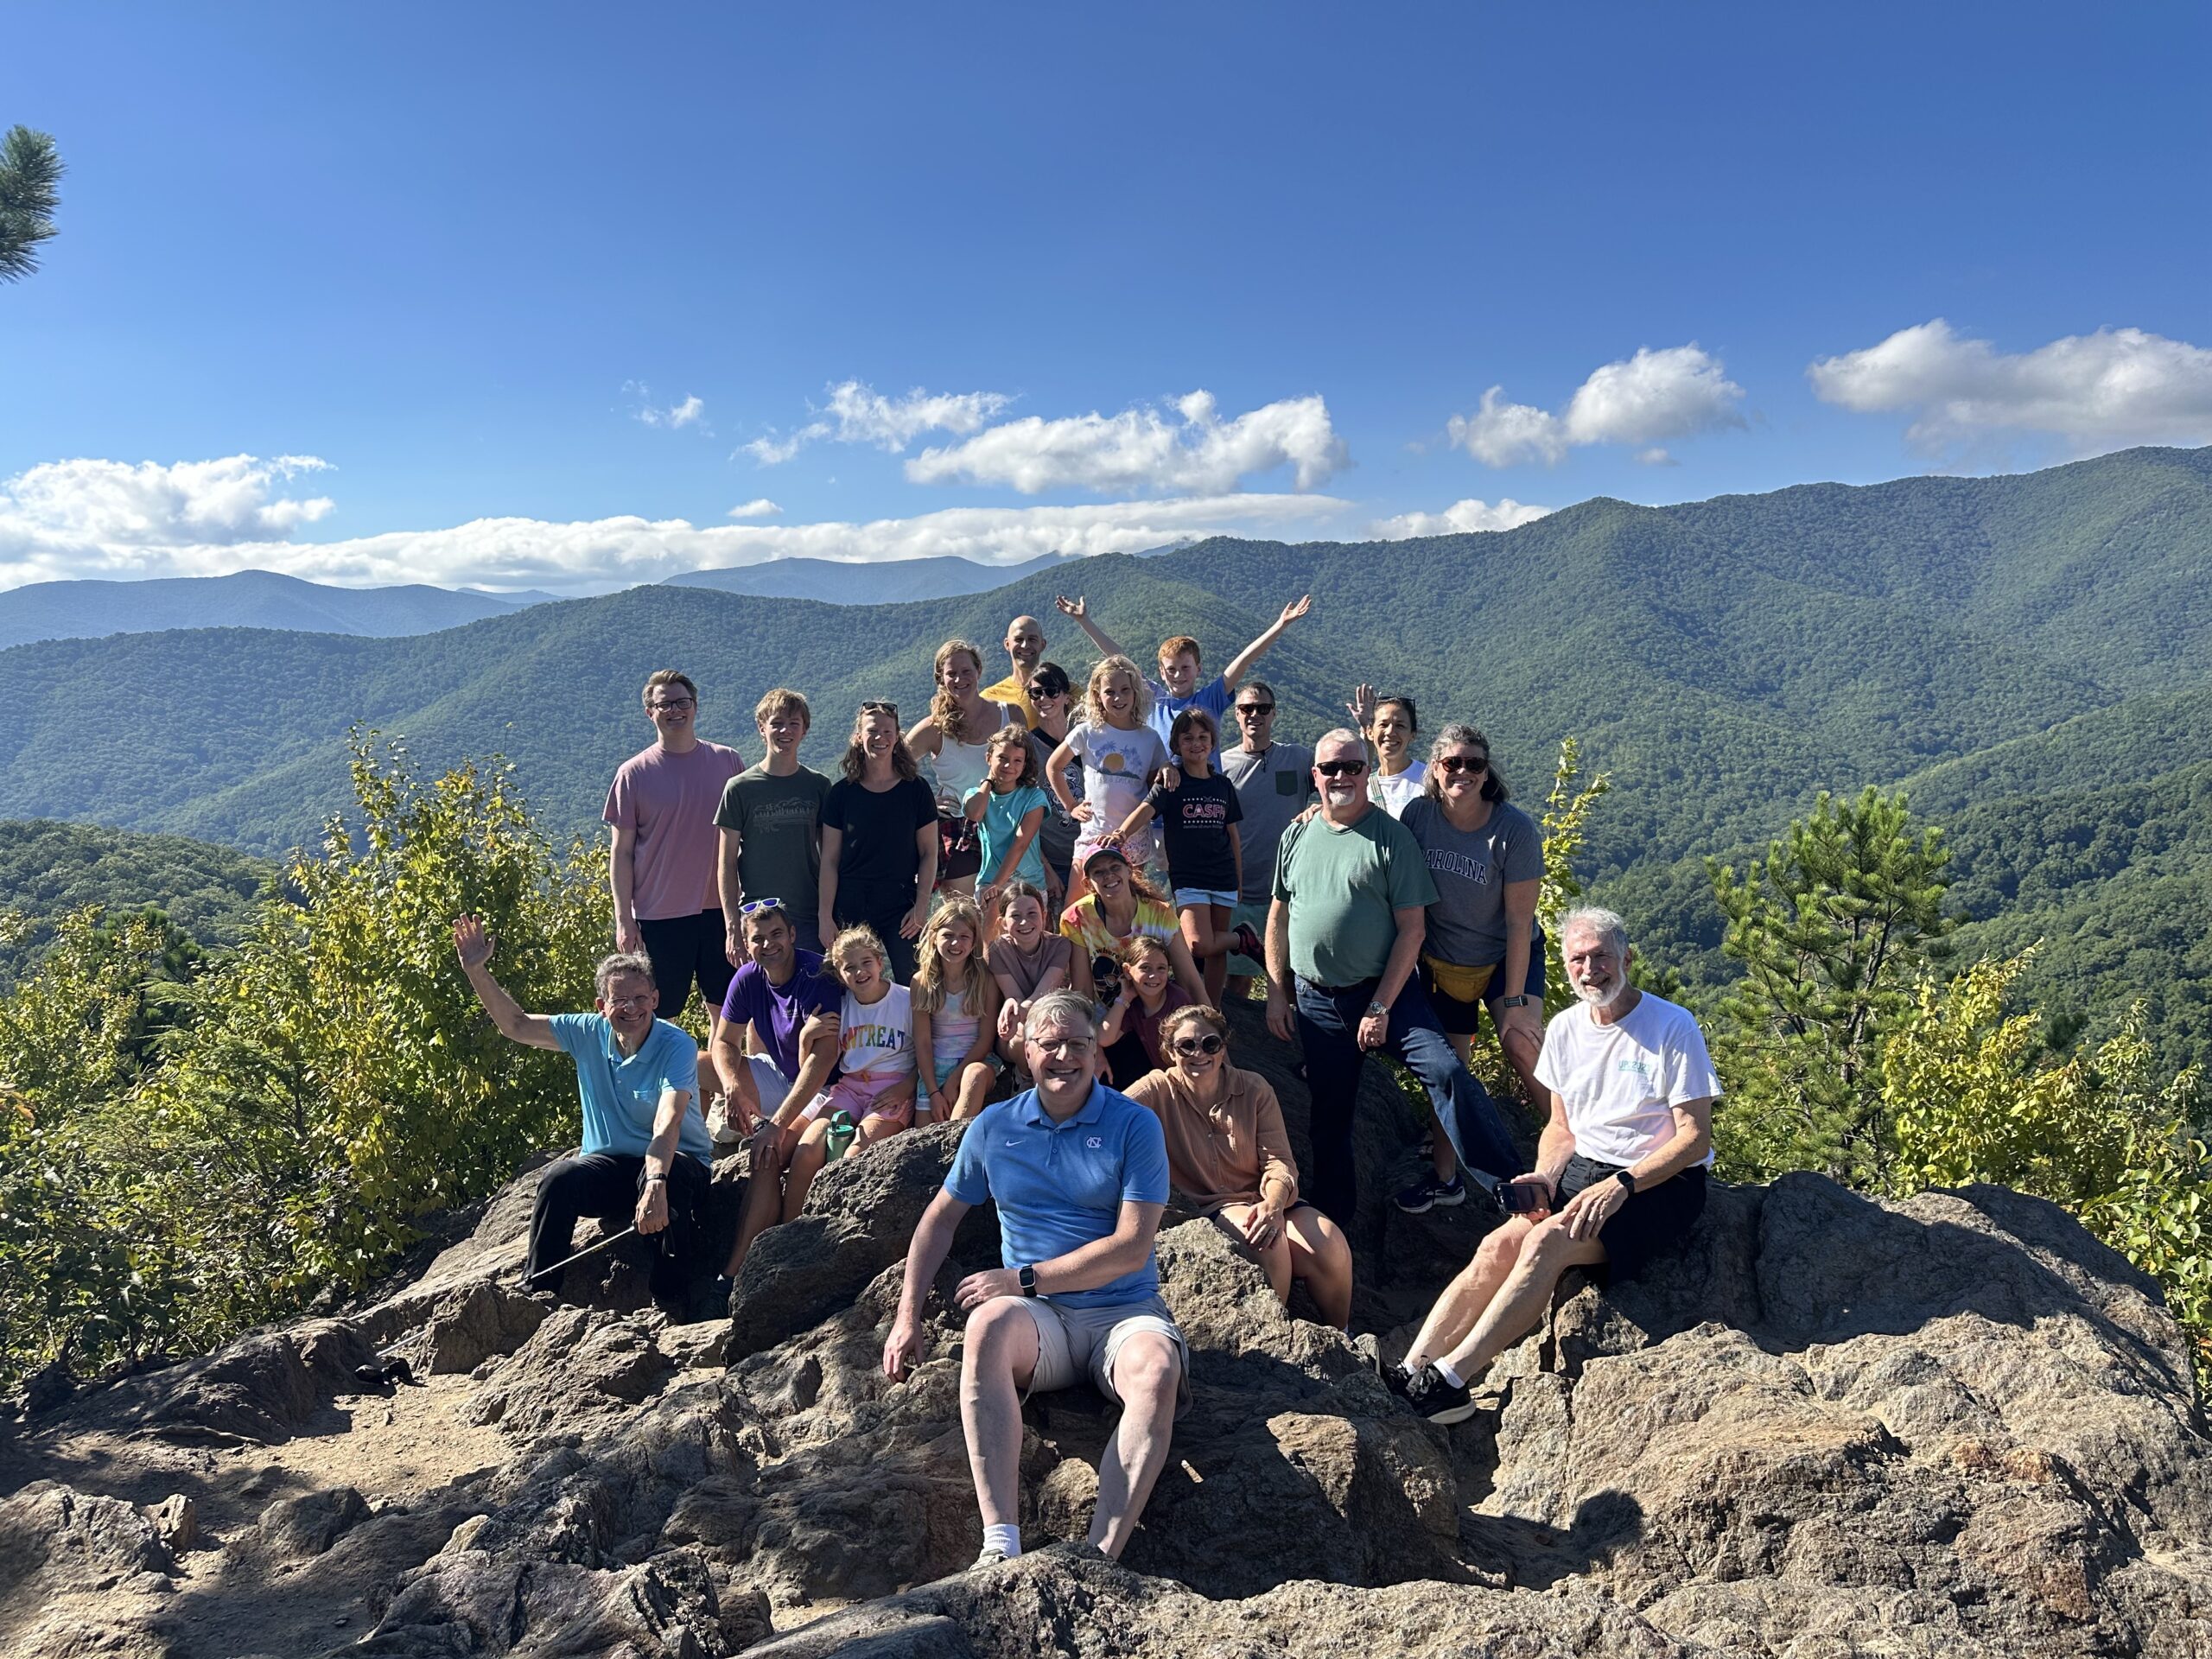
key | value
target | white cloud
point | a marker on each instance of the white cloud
(690, 412)
(1144, 449)
(70, 519)
(1458, 518)
(2094, 393)
(857, 413)
(214, 503)
(1643, 400)
(759, 507)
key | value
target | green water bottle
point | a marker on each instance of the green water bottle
(841, 1131)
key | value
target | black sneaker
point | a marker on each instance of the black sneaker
(1395, 1378)
(1440, 1401)
(1429, 1192)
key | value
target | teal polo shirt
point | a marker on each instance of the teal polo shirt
(1060, 1186)
(621, 1092)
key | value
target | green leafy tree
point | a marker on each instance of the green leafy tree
(31, 191)
(1833, 927)
(1974, 1095)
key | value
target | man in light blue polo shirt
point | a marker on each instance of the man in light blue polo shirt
(645, 1152)
(1079, 1173)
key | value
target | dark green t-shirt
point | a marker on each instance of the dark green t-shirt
(777, 821)
(1343, 887)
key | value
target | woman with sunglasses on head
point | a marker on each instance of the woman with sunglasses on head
(1228, 1150)
(879, 841)
(1483, 947)
(1391, 725)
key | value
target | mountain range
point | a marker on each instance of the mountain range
(1989, 642)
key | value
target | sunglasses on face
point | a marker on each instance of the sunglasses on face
(1208, 1043)
(1340, 768)
(1476, 764)
(1255, 710)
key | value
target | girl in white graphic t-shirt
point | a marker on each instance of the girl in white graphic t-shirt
(1121, 757)
(875, 1052)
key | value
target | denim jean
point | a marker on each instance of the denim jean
(1328, 1026)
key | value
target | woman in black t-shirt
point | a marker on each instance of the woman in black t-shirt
(1199, 812)
(879, 841)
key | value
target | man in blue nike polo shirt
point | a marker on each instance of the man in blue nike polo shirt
(1080, 1172)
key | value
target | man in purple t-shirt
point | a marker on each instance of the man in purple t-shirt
(662, 811)
(771, 1009)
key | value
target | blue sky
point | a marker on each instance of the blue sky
(441, 249)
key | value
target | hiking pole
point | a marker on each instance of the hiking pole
(588, 1249)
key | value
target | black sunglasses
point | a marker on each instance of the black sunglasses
(1340, 768)
(879, 707)
(1208, 1043)
(1474, 763)
(1255, 707)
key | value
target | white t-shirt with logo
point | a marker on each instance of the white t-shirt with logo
(1619, 1083)
(876, 1040)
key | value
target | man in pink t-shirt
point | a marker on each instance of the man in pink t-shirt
(662, 809)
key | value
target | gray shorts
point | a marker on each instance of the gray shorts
(1074, 1341)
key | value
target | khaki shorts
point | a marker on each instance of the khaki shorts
(1072, 1342)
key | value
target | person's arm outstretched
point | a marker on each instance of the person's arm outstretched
(1075, 608)
(1241, 664)
(474, 946)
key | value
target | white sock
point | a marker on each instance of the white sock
(1004, 1537)
(1449, 1375)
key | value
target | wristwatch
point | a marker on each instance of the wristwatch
(1378, 1008)
(1520, 1001)
(649, 1179)
(1627, 1179)
(1028, 1278)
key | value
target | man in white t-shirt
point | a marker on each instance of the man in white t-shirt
(1620, 1172)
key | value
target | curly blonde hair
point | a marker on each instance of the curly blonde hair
(1094, 709)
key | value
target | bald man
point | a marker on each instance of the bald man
(1025, 644)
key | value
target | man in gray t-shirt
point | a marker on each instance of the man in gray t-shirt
(771, 823)
(1273, 781)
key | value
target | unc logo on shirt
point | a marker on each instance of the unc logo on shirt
(1095, 1142)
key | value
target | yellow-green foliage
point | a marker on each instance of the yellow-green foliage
(1972, 1096)
(316, 1091)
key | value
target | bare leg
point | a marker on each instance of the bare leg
(874, 1127)
(998, 1360)
(1321, 1256)
(1145, 1372)
(1275, 1259)
(1205, 930)
(1469, 1293)
(806, 1161)
(1546, 1253)
(764, 1190)
(1521, 1038)
(976, 1080)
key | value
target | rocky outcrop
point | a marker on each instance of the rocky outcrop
(1833, 1427)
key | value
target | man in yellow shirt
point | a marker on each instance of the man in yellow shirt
(1025, 644)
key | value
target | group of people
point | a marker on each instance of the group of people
(1027, 915)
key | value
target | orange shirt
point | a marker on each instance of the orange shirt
(1234, 1152)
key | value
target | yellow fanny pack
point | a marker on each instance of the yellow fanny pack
(1460, 984)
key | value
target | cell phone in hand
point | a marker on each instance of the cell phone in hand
(1518, 1198)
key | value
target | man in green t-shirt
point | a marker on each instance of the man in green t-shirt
(1345, 931)
(771, 823)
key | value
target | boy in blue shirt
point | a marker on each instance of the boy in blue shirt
(638, 1078)
(1079, 1173)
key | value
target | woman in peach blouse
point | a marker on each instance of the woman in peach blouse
(1228, 1150)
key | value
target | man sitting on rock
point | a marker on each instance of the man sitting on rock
(646, 1149)
(1620, 1171)
(1080, 1172)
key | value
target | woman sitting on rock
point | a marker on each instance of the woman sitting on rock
(1227, 1151)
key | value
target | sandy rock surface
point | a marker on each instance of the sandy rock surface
(1833, 1427)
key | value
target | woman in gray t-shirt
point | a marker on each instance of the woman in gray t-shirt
(1483, 947)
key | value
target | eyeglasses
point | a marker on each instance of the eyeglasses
(672, 704)
(1063, 1045)
(1255, 709)
(755, 906)
(878, 707)
(626, 1004)
(1340, 768)
(1476, 764)
(1208, 1043)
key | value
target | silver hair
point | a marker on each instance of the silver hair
(1058, 1009)
(1341, 734)
(622, 962)
(1596, 919)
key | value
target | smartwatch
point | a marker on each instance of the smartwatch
(1627, 1179)
(1520, 1001)
(1028, 1278)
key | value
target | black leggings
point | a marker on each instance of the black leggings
(605, 1186)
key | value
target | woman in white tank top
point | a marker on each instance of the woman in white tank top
(952, 737)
